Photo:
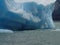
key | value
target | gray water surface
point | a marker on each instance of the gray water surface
(31, 37)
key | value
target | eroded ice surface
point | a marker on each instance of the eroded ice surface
(26, 14)
(43, 2)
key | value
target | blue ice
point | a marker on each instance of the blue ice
(27, 15)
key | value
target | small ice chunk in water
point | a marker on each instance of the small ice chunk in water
(5, 31)
(56, 30)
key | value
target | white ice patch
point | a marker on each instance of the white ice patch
(29, 16)
(56, 30)
(44, 2)
(35, 19)
(5, 31)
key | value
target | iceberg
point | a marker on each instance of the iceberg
(26, 14)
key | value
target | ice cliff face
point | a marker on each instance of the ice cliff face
(26, 14)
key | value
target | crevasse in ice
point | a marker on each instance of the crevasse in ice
(26, 14)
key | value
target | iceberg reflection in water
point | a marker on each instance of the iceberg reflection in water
(26, 14)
